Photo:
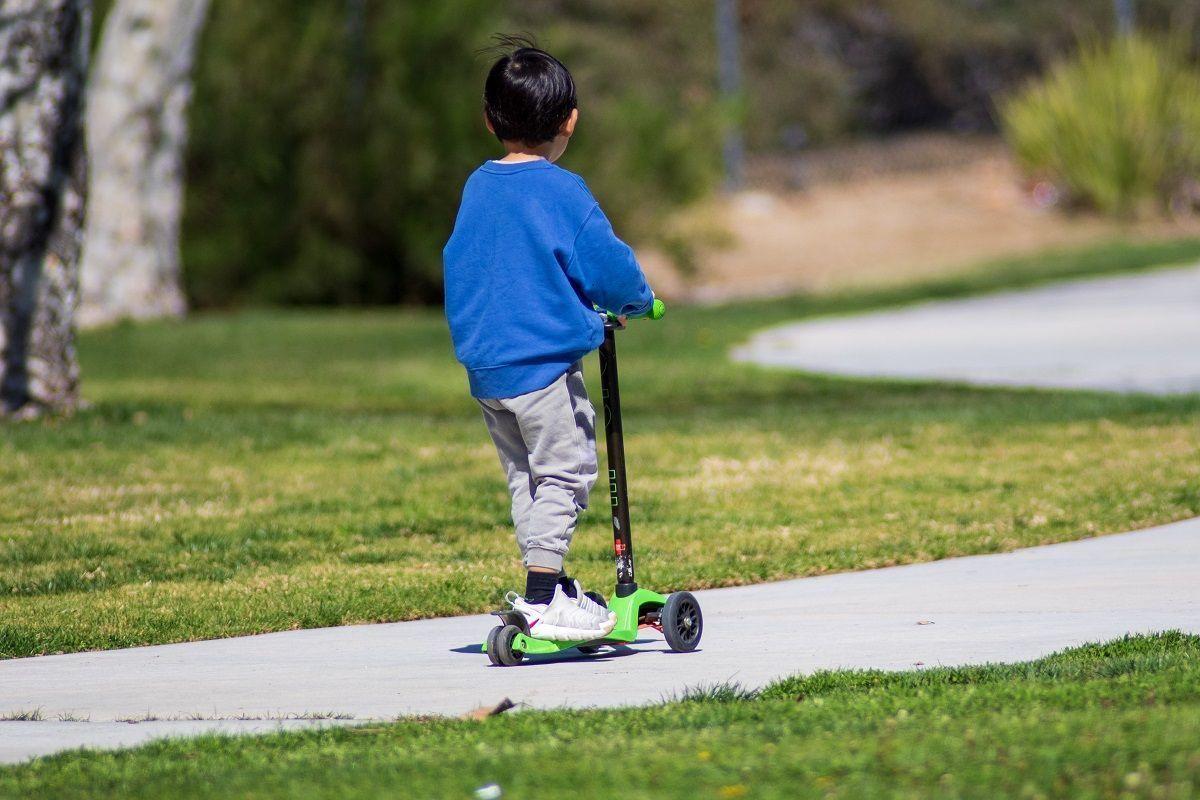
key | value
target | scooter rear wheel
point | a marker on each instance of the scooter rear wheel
(682, 623)
(500, 646)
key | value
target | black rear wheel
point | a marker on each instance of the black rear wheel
(682, 623)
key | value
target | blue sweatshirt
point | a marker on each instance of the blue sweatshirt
(530, 254)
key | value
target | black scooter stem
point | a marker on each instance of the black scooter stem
(617, 486)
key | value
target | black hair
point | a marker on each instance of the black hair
(529, 94)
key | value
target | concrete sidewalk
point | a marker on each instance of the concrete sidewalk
(1131, 333)
(1007, 607)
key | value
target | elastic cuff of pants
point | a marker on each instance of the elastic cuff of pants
(547, 559)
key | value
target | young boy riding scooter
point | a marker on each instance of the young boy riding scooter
(531, 257)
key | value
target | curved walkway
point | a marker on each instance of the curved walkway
(1007, 607)
(1132, 333)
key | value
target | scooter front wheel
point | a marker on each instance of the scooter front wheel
(500, 646)
(682, 623)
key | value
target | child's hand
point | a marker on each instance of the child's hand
(622, 319)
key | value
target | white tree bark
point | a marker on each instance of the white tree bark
(43, 69)
(137, 130)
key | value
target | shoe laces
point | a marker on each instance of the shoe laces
(566, 611)
(588, 604)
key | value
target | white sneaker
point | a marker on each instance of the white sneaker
(561, 619)
(592, 607)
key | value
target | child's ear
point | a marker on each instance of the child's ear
(491, 128)
(568, 127)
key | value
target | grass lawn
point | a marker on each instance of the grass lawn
(1113, 720)
(269, 470)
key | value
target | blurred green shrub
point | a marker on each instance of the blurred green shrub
(1115, 127)
(818, 71)
(328, 145)
(649, 133)
(330, 140)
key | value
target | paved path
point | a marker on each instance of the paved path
(1007, 607)
(1133, 333)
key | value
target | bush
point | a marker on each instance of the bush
(1115, 128)
(649, 132)
(820, 70)
(327, 152)
(329, 139)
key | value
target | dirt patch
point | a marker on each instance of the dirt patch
(873, 215)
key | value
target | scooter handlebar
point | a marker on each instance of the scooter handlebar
(658, 310)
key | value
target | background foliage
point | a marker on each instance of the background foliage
(820, 70)
(330, 138)
(1117, 127)
(328, 154)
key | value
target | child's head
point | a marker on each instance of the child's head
(529, 101)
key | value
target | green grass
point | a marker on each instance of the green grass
(1111, 720)
(271, 470)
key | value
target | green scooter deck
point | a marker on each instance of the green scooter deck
(629, 611)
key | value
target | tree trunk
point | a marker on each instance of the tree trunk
(137, 129)
(43, 68)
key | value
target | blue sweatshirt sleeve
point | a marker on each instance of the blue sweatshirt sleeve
(605, 270)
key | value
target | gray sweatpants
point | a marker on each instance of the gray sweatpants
(547, 445)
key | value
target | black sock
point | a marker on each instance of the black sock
(539, 586)
(567, 583)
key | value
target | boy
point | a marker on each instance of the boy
(530, 255)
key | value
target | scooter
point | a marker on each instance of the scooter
(677, 616)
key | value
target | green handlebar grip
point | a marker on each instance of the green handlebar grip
(658, 310)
